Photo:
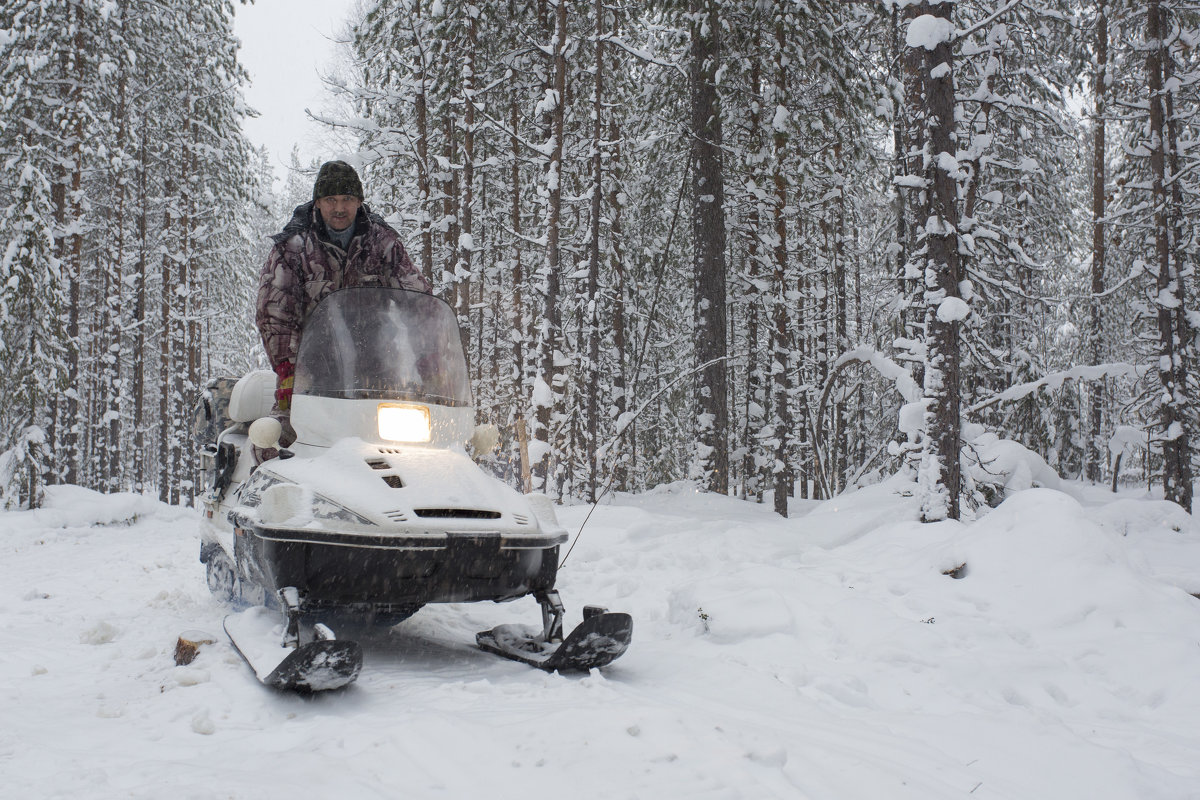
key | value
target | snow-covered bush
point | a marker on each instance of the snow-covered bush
(995, 468)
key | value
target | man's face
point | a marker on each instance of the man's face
(338, 210)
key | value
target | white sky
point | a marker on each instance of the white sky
(286, 44)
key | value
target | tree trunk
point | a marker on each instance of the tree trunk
(548, 392)
(912, 136)
(1185, 331)
(424, 186)
(901, 75)
(465, 243)
(449, 198)
(189, 300)
(165, 478)
(139, 319)
(1177, 472)
(839, 442)
(592, 311)
(939, 478)
(781, 368)
(621, 398)
(113, 462)
(68, 213)
(520, 334)
(1096, 449)
(753, 482)
(708, 241)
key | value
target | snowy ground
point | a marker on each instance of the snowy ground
(826, 656)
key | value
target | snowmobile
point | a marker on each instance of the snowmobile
(375, 509)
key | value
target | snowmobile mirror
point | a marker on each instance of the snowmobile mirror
(265, 432)
(485, 439)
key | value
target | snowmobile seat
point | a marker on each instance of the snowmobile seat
(253, 396)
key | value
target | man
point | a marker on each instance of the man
(331, 243)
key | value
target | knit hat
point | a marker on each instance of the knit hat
(337, 177)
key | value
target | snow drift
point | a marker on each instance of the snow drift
(831, 655)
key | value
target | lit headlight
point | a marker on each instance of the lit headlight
(404, 423)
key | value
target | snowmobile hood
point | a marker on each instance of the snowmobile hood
(359, 486)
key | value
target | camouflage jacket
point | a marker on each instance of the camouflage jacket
(305, 265)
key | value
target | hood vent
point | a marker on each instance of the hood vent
(378, 463)
(456, 513)
(393, 481)
(396, 516)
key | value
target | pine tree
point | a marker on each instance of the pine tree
(142, 155)
(1176, 357)
(35, 290)
(931, 32)
(708, 244)
(30, 335)
(1100, 81)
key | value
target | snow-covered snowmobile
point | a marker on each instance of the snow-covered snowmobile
(376, 509)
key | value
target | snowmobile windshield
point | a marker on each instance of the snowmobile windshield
(383, 344)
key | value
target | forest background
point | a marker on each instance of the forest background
(776, 248)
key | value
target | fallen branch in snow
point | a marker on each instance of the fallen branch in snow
(886, 367)
(1055, 380)
(898, 375)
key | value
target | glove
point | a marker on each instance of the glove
(286, 374)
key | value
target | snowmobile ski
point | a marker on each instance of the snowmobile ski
(316, 666)
(598, 641)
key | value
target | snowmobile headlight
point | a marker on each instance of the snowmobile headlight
(402, 423)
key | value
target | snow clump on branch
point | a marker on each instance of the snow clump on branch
(928, 31)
